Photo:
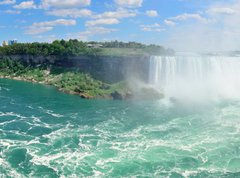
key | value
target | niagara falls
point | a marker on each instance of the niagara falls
(119, 89)
(196, 76)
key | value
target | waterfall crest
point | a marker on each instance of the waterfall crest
(196, 76)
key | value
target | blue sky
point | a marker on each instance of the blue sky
(179, 24)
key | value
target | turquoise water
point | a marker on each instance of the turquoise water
(44, 133)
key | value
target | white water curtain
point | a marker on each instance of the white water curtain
(196, 76)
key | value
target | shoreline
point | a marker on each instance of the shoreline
(116, 94)
(82, 95)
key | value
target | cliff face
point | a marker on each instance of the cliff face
(108, 69)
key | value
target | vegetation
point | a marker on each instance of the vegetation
(67, 81)
(78, 48)
(61, 48)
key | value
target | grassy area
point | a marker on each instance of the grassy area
(67, 81)
(122, 52)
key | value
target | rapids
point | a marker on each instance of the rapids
(45, 133)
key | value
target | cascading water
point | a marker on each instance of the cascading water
(195, 76)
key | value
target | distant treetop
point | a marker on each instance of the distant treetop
(74, 47)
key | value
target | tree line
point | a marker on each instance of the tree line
(74, 47)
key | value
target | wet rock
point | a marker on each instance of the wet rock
(86, 96)
(117, 95)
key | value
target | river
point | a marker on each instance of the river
(45, 133)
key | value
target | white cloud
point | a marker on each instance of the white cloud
(84, 35)
(187, 16)
(26, 5)
(7, 2)
(222, 10)
(44, 38)
(73, 13)
(42, 27)
(169, 23)
(108, 21)
(152, 13)
(152, 28)
(110, 17)
(37, 30)
(119, 14)
(221, 33)
(65, 3)
(63, 22)
(97, 30)
(129, 3)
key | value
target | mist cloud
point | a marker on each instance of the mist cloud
(219, 32)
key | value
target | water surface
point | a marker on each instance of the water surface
(45, 133)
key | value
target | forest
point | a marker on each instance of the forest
(78, 48)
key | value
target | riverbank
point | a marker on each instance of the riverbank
(62, 83)
(82, 95)
(67, 81)
(118, 91)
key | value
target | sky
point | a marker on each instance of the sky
(211, 25)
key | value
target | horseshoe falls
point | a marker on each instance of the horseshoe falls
(45, 133)
(196, 77)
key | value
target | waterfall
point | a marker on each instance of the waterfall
(195, 75)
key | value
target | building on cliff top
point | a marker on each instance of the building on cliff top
(12, 42)
(4, 43)
(94, 46)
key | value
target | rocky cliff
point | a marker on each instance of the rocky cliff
(108, 69)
